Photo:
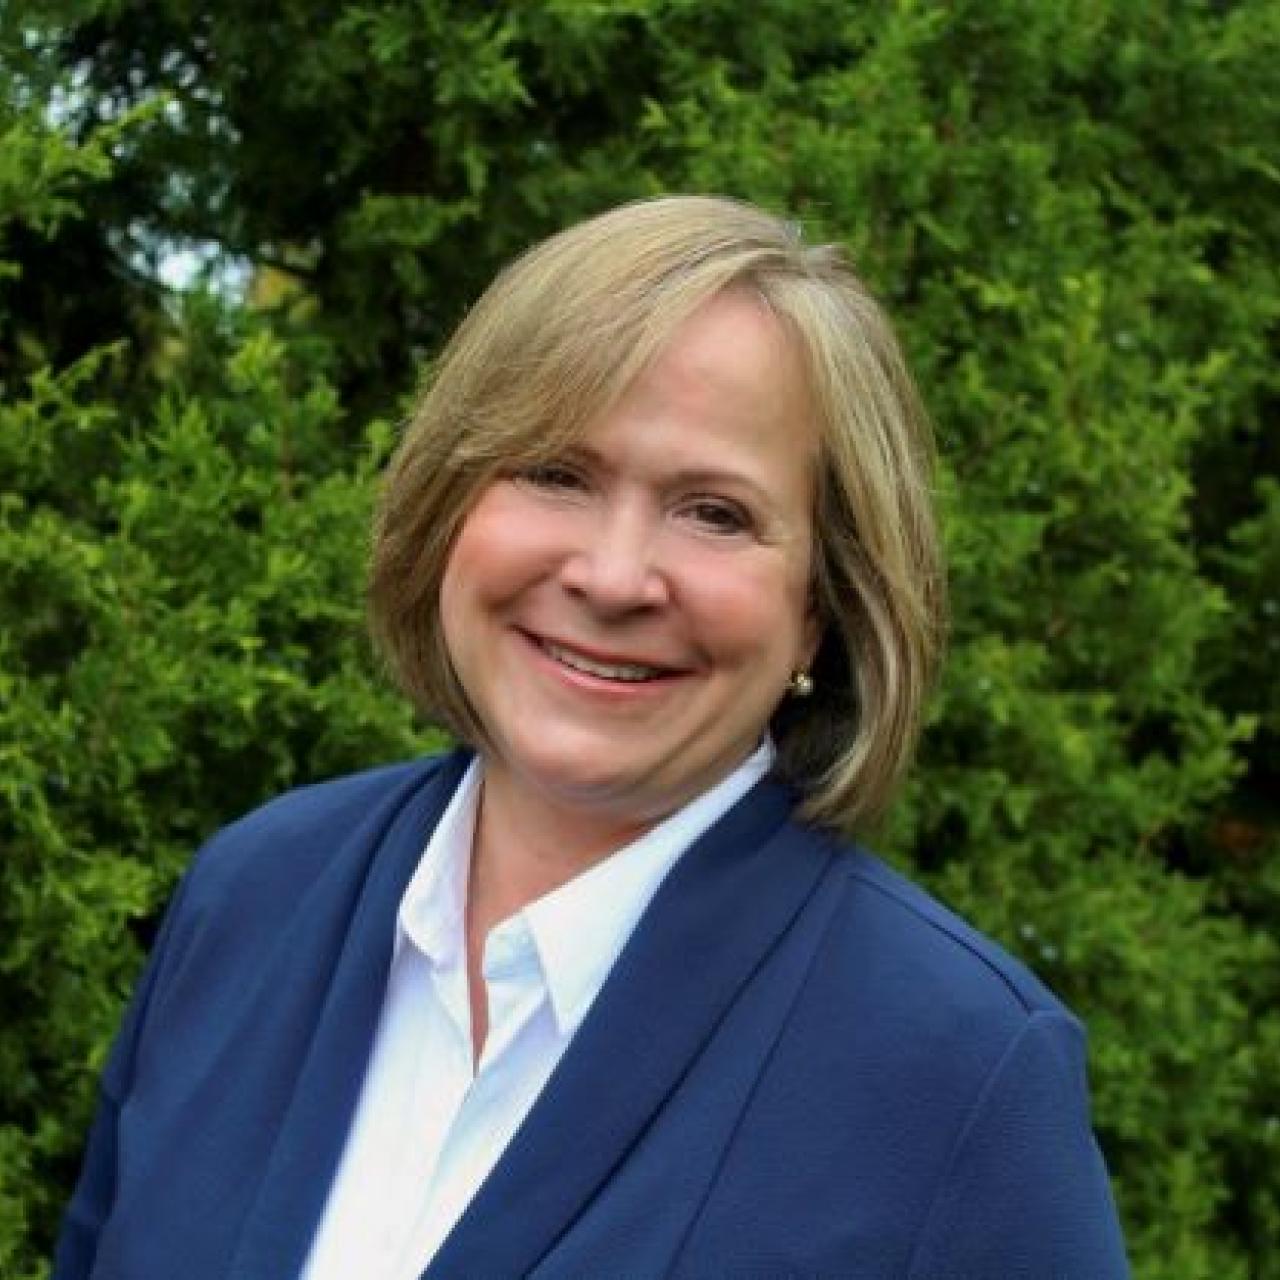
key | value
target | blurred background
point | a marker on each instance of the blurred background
(232, 237)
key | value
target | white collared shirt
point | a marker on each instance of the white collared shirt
(430, 1125)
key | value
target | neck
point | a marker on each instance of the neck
(526, 845)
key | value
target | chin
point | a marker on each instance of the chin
(590, 785)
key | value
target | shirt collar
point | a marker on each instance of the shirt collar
(579, 930)
(433, 909)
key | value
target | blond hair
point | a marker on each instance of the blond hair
(559, 336)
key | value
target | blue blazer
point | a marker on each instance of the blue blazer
(800, 1066)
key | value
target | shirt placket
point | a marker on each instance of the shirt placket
(515, 990)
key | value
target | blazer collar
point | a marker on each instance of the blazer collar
(378, 863)
(725, 904)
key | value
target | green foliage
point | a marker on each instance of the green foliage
(183, 638)
(1070, 210)
(179, 583)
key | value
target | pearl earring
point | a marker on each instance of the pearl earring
(800, 685)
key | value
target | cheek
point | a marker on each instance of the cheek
(481, 555)
(757, 612)
(468, 571)
(504, 551)
(453, 626)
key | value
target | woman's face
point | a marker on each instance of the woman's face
(625, 618)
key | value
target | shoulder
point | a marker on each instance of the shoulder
(295, 875)
(295, 837)
(938, 938)
(989, 1082)
(937, 996)
(318, 805)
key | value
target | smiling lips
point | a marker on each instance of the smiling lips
(624, 672)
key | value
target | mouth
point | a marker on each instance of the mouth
(602, 669)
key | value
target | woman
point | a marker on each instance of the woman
(603, 994)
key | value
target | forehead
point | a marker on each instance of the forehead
(727, 392)
(726, 352)
(734, 345)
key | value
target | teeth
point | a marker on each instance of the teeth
(605, 670)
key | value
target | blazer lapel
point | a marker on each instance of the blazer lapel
(278, 1229)
(723, 907)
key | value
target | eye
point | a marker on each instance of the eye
(718, 516)
(552, 476)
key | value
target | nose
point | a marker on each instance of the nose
(616, 566)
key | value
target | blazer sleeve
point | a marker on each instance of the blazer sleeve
(1026, 1191)
(90, 1204)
